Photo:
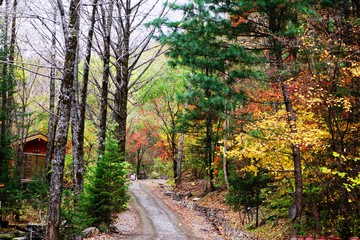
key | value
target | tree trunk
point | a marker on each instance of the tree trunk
(51, 124)
(122, 76)
(83, 97)
(295, 150)
(275, 26)
(4, 103)
(226, 134)
(298, 198)
(138, 163)
(107, 21)
(11, 84)
(209, 142)
(56, 184)
(181, 144)
(173, 153)
(3, 118)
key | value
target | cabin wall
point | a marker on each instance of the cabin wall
(36, 146)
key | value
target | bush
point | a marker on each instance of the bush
(245, 192)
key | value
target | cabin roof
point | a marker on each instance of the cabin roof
(36, 136)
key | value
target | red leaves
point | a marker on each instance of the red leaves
(236, 20)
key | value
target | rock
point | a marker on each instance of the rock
(142, 175)
(133, 177)
(91, 232)
(168, 193)
(21, 238)
(196, 199)
(6, 236)
(20, 233)
(162, 177)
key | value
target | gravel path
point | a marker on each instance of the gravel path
(157, 221)
(153, 217)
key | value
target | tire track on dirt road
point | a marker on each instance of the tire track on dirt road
(157, 221)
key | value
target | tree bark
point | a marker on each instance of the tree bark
(107, 21)
(209, 142)
(78, 168)
(122, 77)
(56, 183)
(51, 124)
(298, 198)
(4, 102)
(181, 145)
(226, 134)
(295, 150)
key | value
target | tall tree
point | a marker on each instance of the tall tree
(129, 74)
(52, 121)
(106, 17)
(56, 183)
(78, 114)
(200, 28)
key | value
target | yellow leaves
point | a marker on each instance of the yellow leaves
(325, 170)
(251, 168)
(271, 146)
(180, 24)
(354, 69)
(335, 154)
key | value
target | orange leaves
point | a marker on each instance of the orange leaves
(236, 20)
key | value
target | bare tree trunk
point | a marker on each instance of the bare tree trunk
(79, 110)
(298, 198)
(122, 76)
(4, 84)
(173, 154)
(11, 83)
(78, 167)
(107, 23)
(181, 145)
(3, 117)
(138, 163)
(51, 124)
(56, 184)
(295, 150)
(226, 134)
(209, 142)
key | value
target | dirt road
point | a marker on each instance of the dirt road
(155, 220)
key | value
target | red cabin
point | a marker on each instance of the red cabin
(34, 155)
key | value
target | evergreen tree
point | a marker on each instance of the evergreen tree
(106, 192)
(245, 192)
(196, 42)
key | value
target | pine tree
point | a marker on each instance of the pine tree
(106, 191)
(196, 42)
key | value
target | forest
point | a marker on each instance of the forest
(259, 98)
